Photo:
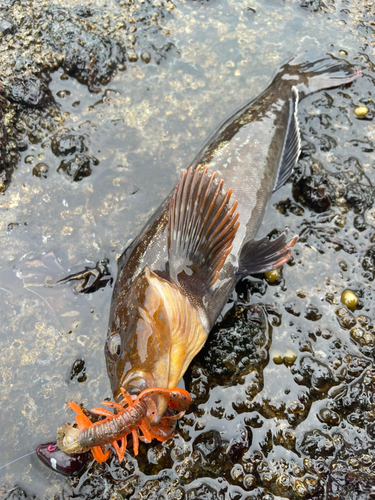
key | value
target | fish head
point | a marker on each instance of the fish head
(154, 334)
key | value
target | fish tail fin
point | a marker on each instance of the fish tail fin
(325, 71)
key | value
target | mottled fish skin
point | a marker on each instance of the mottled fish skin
(253, 152)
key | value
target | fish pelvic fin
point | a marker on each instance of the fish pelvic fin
(202, 226)
(264, 255)
(292, 145)
(325, 71)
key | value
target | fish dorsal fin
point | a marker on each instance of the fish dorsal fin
(292, 144)
(202, 227)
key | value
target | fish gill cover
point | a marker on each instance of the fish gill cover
(283, 392)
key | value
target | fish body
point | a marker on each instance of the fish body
(176, 276)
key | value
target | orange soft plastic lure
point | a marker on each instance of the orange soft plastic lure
(133, 414)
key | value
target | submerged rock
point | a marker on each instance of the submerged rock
(29, 90)
(88, 56)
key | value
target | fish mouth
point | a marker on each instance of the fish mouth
(134, 383)
(157, 404)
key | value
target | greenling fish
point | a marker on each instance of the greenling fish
(176, 276)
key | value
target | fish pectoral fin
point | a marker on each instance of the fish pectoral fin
(264, 255)
(202, 227)
(292, 144)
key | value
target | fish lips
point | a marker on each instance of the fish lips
(134, 382)
(157, 404)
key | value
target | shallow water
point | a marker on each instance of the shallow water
(252, 421)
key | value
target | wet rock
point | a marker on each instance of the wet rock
(29, 90)
(65, 144)
(247, 287)
(91, 488)
(91, 279)
(316, 374)
(3, 135)
(314, 5)
(88, 56)
(40, 170)
(314, 191)
(7, 160)
(328, 417)
(360, 223)
(355, 365)
(16, 493)
(163, 52)
(345, 318)
(292, 308)
(6, 27)
(368, 263)
(77, 371)
(204, 492)
(316, 444)
(356, 404)
(208, 444)
(82, 11)
(346, 483)
(79, 167)
(237, 347)
(239, 444)
(358, 196)
(312, 313)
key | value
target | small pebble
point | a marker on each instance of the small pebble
(272, 275)
(132, 56)
(40, 170)
(289, 356)
(277, 357)
(29, 159)
(146, 57)
(349, 299)
(361, 111)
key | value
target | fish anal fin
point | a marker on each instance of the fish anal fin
(292, 144)
(202, 227)
(264, 255)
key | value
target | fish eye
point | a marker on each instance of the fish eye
(114, 345)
